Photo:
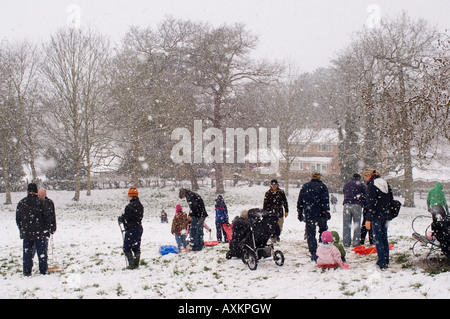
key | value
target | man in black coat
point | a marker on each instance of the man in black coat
(275, 201)
(197, 215)
(50, 207)
(33, 221)
(313, 207)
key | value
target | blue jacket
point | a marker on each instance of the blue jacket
(313, 200)
(221, 210)
(354, 192)
(378, 200)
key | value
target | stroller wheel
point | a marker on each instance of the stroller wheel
(278, 257)
(249, 258)
(228, 255)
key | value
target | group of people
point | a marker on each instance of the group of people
(366, 205)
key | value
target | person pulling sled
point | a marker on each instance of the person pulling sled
(132, 222)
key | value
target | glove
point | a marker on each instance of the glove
(345, 266)
(286, 214)
(327, 215)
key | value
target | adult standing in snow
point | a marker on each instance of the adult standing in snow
(438, 207)
(197, 215)
(275, 201)
(221, 218)
(132, 221)
(436, 202)
(354, 198)
(50, 207)
(33, 219)
(313, 207)
(378, 205)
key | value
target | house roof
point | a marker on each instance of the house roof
(315, 136)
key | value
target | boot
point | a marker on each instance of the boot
(130, 259)
(137, 257)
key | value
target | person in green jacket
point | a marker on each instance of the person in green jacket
(336, 242)
(436, 202)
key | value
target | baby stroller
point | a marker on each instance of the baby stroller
(263, 225)
(435, 239)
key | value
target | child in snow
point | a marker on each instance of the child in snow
(180, 225)
(336, 242)
(328, 255)
(221, 218)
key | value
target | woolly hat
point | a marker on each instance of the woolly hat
(178, 208)
(327, 237)
(132, 192)
(32, 188)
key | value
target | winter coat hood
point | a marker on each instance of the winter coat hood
(436, 196)
(336, 237)
(381, 184)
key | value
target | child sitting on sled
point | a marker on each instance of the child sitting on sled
(180, 226)
(328, 255)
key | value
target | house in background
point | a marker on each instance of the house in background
(312, 150)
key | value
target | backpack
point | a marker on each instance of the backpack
(395, 209)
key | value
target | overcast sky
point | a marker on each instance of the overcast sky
(308, 33)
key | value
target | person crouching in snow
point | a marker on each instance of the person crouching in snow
(180, 226)
(328, 255)
(132, 222)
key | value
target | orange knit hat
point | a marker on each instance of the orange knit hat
(132, 192)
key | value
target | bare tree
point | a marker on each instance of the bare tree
(72, 70)
(221, 62)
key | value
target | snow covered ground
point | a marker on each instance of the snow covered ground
(88, 243)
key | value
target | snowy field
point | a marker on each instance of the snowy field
(88, 244)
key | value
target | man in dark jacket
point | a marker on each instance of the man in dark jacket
(378, 205)
(354, 199)
(313, 207)
(33, 219)
(197, 215)
(275, 201)
(50, 207)
(132, 221)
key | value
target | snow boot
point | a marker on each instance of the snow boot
(137, 258)
(130, 259)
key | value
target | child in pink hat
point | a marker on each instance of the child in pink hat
(328, 255)
(180, 226)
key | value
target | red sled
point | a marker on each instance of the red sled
(228, 230)
(362, 250)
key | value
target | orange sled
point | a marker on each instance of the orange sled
(228, 230)
(362, 250)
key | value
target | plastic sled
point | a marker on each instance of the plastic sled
(210, 243)
(55, 269)
(362, 250)
(228, 230)
(168, 249)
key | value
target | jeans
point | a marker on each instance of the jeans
(352, 212)
(310, 230)
(181, 240)
(196, 233)
(132, 241)
(30, 247)
(380, 234)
